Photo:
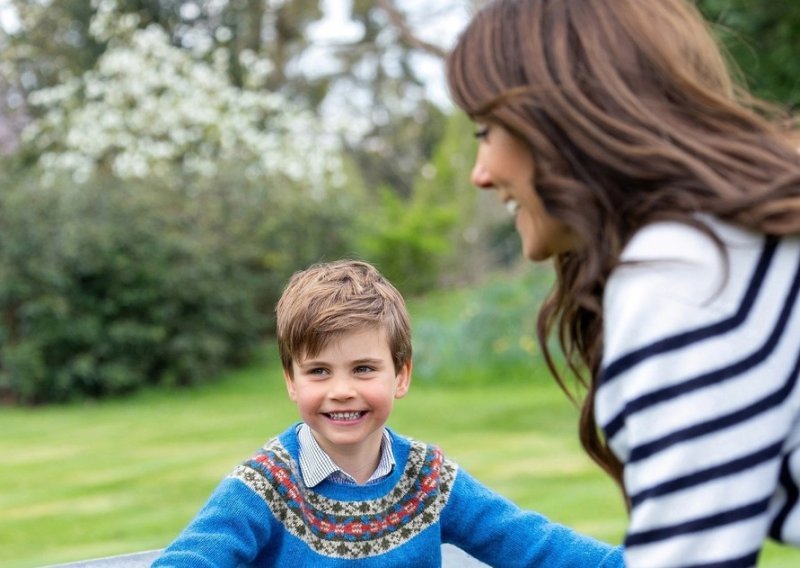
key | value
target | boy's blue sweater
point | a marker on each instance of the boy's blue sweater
(263, 515)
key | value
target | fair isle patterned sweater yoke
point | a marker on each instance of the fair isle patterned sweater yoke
(351, 529)
(263, 515)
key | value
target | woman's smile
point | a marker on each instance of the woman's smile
(505, 164)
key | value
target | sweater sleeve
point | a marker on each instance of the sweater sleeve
(494, 530)
(230, 530)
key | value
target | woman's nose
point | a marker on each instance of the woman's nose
(480, 177)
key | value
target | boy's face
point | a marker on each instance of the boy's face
(346, 392)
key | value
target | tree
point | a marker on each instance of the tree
(148, 107)
(367, 85)
(763, 39)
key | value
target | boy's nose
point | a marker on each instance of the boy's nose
(341, 389)
(480, 177)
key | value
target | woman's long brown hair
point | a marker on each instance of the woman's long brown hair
(631, 117)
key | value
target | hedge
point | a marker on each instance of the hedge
(108, 286)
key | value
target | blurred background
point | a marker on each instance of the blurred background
(168, 164)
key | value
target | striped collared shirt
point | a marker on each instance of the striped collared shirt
(316, 465)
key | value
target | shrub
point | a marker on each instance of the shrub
(484, 335)
(407, 241)
(108, 286)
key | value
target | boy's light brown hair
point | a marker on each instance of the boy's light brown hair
(327, 300)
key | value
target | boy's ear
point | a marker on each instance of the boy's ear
(287, 377)
(403, 380)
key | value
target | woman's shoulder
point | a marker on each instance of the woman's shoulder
(685, 260)
(675, 275)
(674, 240)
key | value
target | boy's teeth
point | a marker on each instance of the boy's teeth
(344, 415)
(512, 206)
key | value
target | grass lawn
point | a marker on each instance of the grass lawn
(99, 479)
(94, 480)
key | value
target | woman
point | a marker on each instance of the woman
(671, 209)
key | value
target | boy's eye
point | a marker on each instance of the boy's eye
(364, 369)
(317, 371)
(482, 132)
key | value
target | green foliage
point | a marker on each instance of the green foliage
(109, 285)
(438, 235)
(763, 37)
(407, 240)
(486, 335)
(445, 179)
(484, 237)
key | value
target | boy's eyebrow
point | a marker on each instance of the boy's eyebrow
(372, 360)
(359, 361)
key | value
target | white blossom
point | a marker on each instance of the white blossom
(149, 107)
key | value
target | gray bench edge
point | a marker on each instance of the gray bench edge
(452, 557)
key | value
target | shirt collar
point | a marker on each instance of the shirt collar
(316, 465)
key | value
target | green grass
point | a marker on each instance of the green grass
(93, 480)
(122, 476)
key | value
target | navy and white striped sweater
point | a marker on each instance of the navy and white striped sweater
(698, 393)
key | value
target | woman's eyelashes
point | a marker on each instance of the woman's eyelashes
(481, 132)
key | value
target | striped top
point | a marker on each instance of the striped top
(698, 393)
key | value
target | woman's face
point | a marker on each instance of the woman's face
(504, 164)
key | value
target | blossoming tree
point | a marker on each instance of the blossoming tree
(148, 107)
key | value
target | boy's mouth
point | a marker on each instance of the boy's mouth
(345, 416)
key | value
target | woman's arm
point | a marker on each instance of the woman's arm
(695, 393)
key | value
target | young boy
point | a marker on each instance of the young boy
(341, 488)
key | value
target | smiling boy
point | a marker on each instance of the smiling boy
(339, 488)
